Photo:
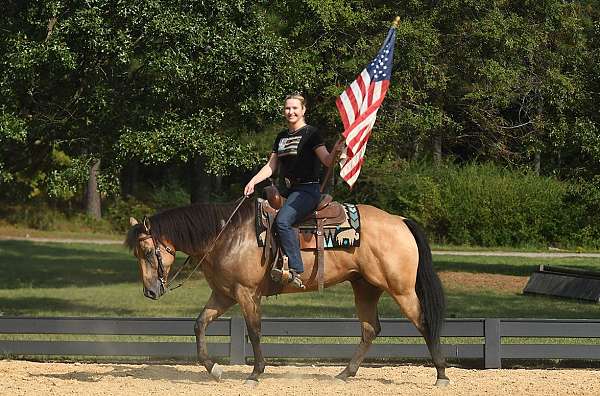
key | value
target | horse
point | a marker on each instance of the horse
(393, 257)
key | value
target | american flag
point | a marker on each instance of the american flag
(358, 106)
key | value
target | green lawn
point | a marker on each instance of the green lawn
(71, 231)
(50, 279)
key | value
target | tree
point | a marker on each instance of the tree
(195, 83)
(502, 81)
(156, 81)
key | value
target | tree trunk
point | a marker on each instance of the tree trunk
(129, 178)
(537, 160)
(437, 149)
(92, 196)
(416, 153)
(218, 184)
(200, 181)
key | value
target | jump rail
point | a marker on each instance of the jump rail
(492, 351)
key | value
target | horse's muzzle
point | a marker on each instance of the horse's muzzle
(154, 294)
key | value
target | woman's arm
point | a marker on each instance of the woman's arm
(266, 171)
(325, 156)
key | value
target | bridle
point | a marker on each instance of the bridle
(161, 268)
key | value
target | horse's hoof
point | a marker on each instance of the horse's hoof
(216, 371)
(252, 383)
(341, 379)
(441, 382)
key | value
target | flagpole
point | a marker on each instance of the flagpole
(337, 154)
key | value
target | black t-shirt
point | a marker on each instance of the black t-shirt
(296, 154)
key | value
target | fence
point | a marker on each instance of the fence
(492, 351)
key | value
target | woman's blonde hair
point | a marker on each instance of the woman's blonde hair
(298, 97)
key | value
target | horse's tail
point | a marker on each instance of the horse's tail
(429, 287)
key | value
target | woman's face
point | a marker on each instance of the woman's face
(293, 111)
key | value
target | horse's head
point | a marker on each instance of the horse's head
(155, 257)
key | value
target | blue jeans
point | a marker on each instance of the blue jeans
(302, 199)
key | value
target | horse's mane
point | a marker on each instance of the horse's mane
(190, 228)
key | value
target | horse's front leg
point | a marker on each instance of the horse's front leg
(250, 304)
(217, 304)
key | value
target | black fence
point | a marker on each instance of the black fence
(491, 351)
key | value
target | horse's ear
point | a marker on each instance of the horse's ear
(146, 223)
(132, 221)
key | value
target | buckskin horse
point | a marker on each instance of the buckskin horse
(394, 256)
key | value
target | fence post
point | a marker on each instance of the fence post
(237, 342)
(493, 343)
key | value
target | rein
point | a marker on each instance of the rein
(157, 245)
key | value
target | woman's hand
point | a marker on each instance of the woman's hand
(249, 189)
(262, 174)
(339, 146)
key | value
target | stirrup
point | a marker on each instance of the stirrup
(287, 277)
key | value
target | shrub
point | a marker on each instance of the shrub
(482, 204)
(582, 205)
(491, 206)
(39, 217)
(398, 188)
(169, 195)
(120, 210)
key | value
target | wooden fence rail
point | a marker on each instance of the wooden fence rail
(491, 351)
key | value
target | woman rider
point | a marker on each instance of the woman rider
(298, 153)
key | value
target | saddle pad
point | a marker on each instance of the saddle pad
(343, 235)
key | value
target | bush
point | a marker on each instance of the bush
(491, 206)
(39, 217)
(120, 210)
(397, 188)
(582, 204)
(484, 205)
(169, 195)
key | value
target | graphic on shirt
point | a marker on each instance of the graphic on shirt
(288, 146)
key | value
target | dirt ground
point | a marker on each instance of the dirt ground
(473, 282)
(33, 378)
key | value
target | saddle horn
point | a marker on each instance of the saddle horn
(273, 196)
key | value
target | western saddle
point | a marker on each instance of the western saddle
(327, 213)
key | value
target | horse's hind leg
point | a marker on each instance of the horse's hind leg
(217, 304)
(366, 297)
(411, 308)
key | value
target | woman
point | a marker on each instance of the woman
(298, 153)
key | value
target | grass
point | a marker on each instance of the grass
(527, 249)
(11, 230)
(504, 265)
(50, 279)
